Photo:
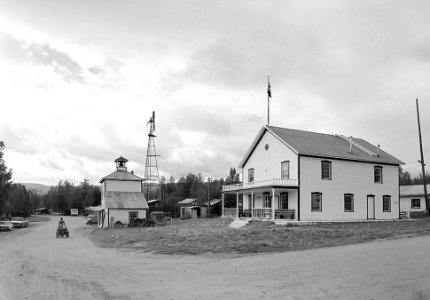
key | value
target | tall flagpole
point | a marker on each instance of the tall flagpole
(268, 100)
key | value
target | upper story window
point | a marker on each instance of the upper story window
(415, 203)
(377, 174)
(326, 170)
(348, 200)
(386, 203)
(251, 175)
(285, 170)
(316, 202)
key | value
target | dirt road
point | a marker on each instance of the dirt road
(36, 265)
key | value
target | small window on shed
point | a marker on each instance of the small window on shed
(415, 203)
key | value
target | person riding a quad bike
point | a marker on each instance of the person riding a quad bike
(62, 229)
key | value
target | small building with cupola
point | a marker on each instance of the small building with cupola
(123, 199)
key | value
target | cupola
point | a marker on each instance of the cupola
(121, 163)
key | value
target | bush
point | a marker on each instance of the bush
(185, 216)
(418, 214)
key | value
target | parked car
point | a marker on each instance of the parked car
(92, 219)
(19, 222)
(74, 211)
(5, 226)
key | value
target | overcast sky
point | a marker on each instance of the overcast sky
(79, 80)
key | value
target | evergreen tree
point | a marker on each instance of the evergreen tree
(5, 180)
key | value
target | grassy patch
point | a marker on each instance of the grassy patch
(215, 236)
(38, 218)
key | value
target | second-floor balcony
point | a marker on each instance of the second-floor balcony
(261, 183)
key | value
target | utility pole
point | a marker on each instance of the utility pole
(422, 161)
(209, 203)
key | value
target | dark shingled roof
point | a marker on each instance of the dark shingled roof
(124, 200)
(324, 145)
(327, 145)
(121, 175)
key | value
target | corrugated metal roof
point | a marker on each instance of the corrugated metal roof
(323, 145)
(413, 190)
(124, 200)
(187, 201)
(213, 202)
(121, 175)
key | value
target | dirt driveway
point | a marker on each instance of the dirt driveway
(36, 265)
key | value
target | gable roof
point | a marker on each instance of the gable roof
(413, 190)
(187, 201)
(121, 159)
(308, 143)
(121, 175)
(133, 200)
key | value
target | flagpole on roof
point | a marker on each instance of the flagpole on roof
(268, 100)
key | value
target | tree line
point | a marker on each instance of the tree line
(17, 200)
(407, 179)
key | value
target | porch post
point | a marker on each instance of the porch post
(222, 205)
(237, 205)
(273, 204)
(252, 205)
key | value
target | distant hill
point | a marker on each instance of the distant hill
(40, 188)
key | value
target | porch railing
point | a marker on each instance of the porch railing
(260, 183)
(262, 213)
(245, 213)
(230, 212)
(287, 214)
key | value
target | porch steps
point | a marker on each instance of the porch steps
(237, 223)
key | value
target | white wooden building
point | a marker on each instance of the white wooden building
(122, 196)
(412, 198)
(306, 176)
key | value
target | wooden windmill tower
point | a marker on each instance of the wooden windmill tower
(151, 179)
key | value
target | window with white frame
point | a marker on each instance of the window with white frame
(415, 203)
(386, 203)
(348, 200)
(316, 202)
(285, 170)
(377, 174)
(326, 169)
(267, 200)
(251, 175)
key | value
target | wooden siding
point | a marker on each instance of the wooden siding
(122, 215)
(122, 186)
(267, 163)
(347, 177)
(406, 202)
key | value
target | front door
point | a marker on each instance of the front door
(371, 207)
(283, 201)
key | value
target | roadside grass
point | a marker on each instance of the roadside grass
(38, 218)
(215, 236)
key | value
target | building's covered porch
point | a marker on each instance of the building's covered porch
(269, 200)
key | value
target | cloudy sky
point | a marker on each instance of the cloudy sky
(80, 79)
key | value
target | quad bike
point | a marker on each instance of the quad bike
(62, 231)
